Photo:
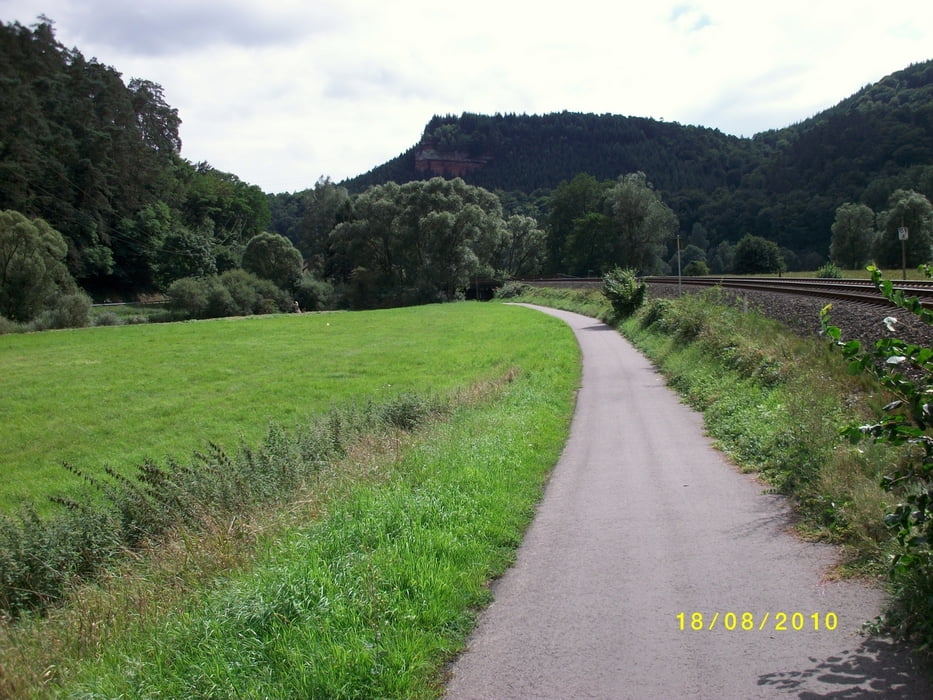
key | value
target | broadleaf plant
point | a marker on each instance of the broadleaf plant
(624, 290)
(905, 370)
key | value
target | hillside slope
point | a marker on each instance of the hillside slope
(784, 184)
(529, 152)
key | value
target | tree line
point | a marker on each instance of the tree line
(422, 241)
(434, 240)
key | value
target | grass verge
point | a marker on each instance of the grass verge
(590, 302)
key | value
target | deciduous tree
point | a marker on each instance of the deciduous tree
(642, 223)
(853, 236)
(575, 217)
(588, 247)
(32, 266)
(417, 242)
(272, 257)
(720, 259)
(912, 211)
(522, 250)
(325, 206)
(757, 255)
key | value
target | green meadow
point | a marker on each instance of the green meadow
(120, 395)
(365, 582)
(372, 599)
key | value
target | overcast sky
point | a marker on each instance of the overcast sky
(282, 92)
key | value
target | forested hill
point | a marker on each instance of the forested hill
(529, 152)
(882, 136)
(783, 184)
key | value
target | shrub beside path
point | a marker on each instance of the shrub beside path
(644, 521)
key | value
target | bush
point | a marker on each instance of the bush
(220, 302)
(8, 326)
(68, 311)
(188, 296)
(829, 271)
(240, 296)
(234, 293)
(656, 311)
(253, 295)
(696, 268)
(692, 315)
(510, 290)
(624, 291)
(108, 318)
(313, 294)
(905, 370)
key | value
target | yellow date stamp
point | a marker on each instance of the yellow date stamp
(761, 622)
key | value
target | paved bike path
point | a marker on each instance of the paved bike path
(643, 520)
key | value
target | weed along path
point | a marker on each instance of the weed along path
(654, 569)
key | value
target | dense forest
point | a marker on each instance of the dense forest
(530, 152)
(98, 160)
(95, 197)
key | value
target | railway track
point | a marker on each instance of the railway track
(857, 291)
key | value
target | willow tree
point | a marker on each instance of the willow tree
(33, 274)
(642, 224)
(418, 242)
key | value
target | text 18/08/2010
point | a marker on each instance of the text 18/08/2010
(748, 621)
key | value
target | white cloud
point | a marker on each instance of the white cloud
(280, 92)
(689, 18)
(149, 28)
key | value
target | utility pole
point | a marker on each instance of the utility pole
(679, 285)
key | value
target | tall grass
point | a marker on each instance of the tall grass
(780, 410)
(41, 557)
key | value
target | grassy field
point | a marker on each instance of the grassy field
(120, 395)
(373, 599)
(365, 584)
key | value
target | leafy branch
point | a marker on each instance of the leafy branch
(905, 370)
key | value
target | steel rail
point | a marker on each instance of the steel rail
(857, 291)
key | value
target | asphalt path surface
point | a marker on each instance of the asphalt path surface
(642, 521)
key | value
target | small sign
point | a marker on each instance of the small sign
(902, 233)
